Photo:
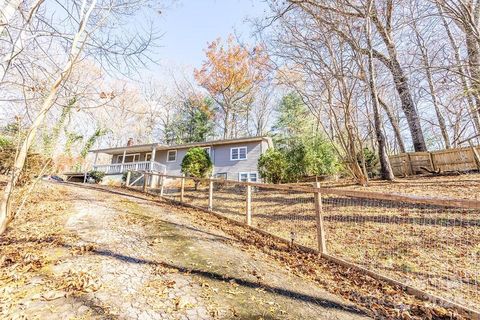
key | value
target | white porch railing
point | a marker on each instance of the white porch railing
(130, 166)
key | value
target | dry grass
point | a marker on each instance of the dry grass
(381, 299)
(435, 249)
(464, 186)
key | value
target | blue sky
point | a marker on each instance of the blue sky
(189, 24)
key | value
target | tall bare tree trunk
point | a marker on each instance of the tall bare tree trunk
(408, 106)
(431, 86)
(385, 168)
(395, 125)
(5, 204)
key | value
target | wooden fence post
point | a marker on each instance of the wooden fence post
(404, 168)
(210, 194)
(411, 164)
(127, 180)
(322, 245)
(182, 188)
(145, 181)
(432, 162)
(248, 206)
(152, 180)
(476, 156)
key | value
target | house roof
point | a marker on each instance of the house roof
(159, 146)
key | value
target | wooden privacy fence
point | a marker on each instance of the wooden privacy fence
(458, 159)
(429, 246)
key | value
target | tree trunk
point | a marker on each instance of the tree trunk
(385, 168)
(431, 86)
(5, 214)
(401, 84)
(408, 107)
(395, 125)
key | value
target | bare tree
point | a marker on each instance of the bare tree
(89, 34)
(385, 168)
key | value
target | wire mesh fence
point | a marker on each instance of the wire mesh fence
(429, 244)
(430, 247)
(289, 214)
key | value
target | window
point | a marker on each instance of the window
(171, 155)
(248, 177)
(221, 175)
(239, 153)
(148, 156)
(243, 176)
(128, 158)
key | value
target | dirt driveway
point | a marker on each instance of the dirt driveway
(137, 260)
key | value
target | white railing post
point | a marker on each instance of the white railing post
(248, 206)
(322, 245)
(182, 188)
(210, 194)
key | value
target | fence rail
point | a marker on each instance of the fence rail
(431, 246)
(457, 159)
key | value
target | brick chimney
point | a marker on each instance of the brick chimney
(130, 142)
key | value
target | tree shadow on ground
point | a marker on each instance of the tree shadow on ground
(325, 303)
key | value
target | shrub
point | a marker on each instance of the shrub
(97, 176)
(371, 161)
(197, 164)
(303, 157)
(272, 166)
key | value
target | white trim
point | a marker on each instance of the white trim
(240, 176)
(128, 155)
(238, 153)
(168, 153)
(146, 154)
(249, 176)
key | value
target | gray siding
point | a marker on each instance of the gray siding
(173, 168)
(223, 164)
(220, 155)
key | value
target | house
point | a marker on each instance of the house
(234, 159)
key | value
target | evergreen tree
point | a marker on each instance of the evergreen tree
(294, 121)
(193, 122)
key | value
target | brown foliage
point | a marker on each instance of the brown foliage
(33, 166)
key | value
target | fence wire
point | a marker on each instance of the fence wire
(435, 248)
(287, 214)
(230, 200)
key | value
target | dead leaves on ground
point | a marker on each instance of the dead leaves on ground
(79, 281)
(377, 298)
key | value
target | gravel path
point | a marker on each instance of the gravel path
(142, 261)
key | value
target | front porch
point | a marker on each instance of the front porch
(120, 168)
